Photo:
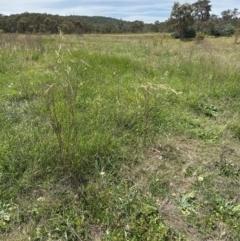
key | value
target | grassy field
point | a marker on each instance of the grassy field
(119, 137)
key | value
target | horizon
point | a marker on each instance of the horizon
(126, 10)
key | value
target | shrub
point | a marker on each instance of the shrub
(228, 30)
(175, 35)
(216, 32)
(190, 33)
(200, 36)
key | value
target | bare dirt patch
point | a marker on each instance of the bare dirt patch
(182, 166)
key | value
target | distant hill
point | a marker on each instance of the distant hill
(101, 20)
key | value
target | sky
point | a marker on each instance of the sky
(147, 11)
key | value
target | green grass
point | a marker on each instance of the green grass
(119, 137)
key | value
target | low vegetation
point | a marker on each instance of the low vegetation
(119, 137)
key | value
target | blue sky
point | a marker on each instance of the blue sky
(144, 10)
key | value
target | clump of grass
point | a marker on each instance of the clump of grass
(234, 129)
(200, 37)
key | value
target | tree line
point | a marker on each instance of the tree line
(50, 24)
(184, 21)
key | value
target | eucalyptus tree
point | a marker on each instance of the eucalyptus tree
(230, 16)
(137, 26)
(201, 10)
(201, 13)
(182, 18)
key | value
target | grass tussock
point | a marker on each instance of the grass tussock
(119, 137)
